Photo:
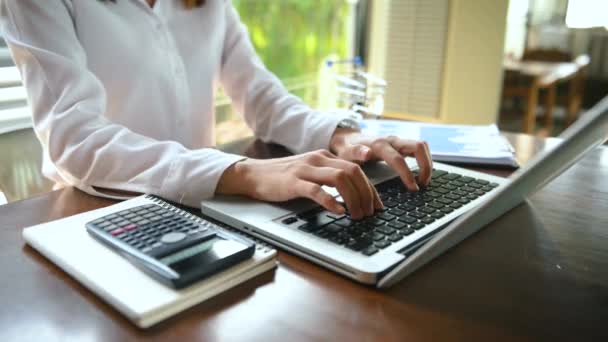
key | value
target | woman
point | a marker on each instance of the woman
(122, 93)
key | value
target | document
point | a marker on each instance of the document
(466, 144)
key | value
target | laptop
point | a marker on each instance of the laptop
(415, 227)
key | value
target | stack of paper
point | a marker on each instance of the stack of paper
(450, 143)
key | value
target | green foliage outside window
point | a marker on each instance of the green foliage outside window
(293, 38)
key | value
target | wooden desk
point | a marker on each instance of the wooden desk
(540, 272)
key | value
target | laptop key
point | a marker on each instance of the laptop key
(386, 216)
(333, 228)
(437, 215)
(427, 220)
(452, 176)
(475, 185)
(321, 233)
(417, 214)
(452, 197)
(370, 250)
(397, 212)
(395, 237)
(444, 200)
(455, 205)
(436, 205)
(417, 225)
(390, 204)
(406, 207)
(397, 225)
(339, 240)
(377, 236)
(459, 193)
(406, 231)
(446, 210)
(464, 200)
(382, 244)
(427, 210)
(344, 222)
(385, 230)
(375, 222)
(319, 219)
(357, 245)
(467, 189)
(438, 174)
(408, 219)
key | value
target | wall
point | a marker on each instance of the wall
(472, 75)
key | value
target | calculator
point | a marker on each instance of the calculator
(170, 245)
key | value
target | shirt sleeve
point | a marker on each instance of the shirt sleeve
(268, 108)
(68, 102)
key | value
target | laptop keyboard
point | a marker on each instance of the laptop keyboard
(404, 212)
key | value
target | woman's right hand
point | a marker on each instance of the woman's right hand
(302, 175)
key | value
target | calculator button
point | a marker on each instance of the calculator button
(117, 232)
(173, 237)
(109, 217)
(110, 228)
(122, 223)
(129, 227)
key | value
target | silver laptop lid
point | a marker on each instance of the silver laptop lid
(585, 134)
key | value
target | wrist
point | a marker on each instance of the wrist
(236, 179)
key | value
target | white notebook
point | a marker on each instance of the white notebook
(144, 301)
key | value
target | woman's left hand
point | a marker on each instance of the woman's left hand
(353, 146)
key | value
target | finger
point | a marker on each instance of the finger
(427, 151)
(419, 149)
(357, 153)
(377, 201)
(359, 180)
(337, 178)
(394, 159)
(316, 193)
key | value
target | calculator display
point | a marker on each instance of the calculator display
(189, 252)
(206, 254)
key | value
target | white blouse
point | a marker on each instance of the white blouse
(122, 94)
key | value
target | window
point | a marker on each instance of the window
(293, 38)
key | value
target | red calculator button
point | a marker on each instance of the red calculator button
(129, 227)
(117, 231)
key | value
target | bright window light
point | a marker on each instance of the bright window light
(587, 13)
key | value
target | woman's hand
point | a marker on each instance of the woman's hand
(353, 146)
(302, 175)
